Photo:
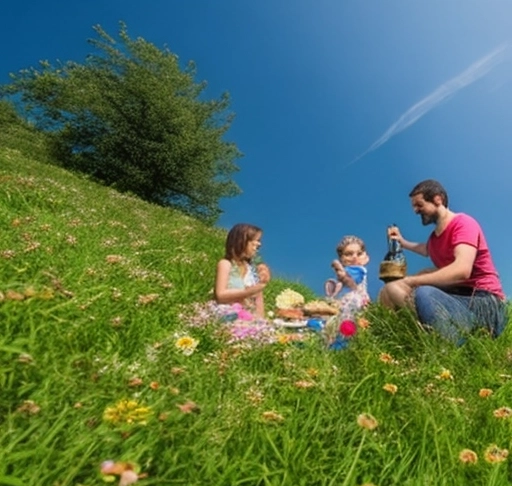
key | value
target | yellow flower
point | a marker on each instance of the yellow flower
(467, 456)
(387, 358)
(485, 392)
(445, 375)
(503, 412)
(389, 387)
(283, 338)
(127, 412)
(494, 454)
(363, 323)
(187, 345)
(367, 421)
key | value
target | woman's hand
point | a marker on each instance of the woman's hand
(263, 273)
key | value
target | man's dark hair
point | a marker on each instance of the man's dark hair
(430, 188)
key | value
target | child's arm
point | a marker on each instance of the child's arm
(342, 275)
(225, 295)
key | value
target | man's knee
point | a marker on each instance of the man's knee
(395, 294)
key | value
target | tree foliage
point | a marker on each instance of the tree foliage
(131, 117)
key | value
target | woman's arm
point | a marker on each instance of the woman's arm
(225, 295)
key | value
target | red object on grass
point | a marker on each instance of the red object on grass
(348, 328)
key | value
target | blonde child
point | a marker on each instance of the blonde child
(350, 287)
(237, 280)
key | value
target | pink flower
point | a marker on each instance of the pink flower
(348, 328)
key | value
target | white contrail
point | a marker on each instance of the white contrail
(446, 90)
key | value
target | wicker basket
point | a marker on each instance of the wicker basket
(392, 271)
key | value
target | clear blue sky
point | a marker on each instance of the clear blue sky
(314, 85)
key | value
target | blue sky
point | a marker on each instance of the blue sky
(419, 89)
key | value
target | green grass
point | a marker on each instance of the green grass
(83, 259)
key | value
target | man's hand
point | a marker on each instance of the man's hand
(394, 234)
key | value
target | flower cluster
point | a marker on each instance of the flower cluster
(127, 412)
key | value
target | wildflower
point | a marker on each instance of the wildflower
(187, 345)
(34, 245)
(154, 385)
(163, 416)
(494, 454)
(29, 407)
(136, 381)
(127, 411)
(283, 338)
(8, 254)
(387, 358)
(116, 321)
(288, 299)
(456, 400)
(467, 456)
(188, 407)
(177, 370)
(389, 387)
(13, 295)
(25, 358)
(77, 405)
(363, 323)
(367, 421)
(125, 471)
(174, 391)
(29, 292)
(114, 258)
(147, 299)
(485, 392)
(312, 372)
(71, 240)
(503, 412)
(254, 395)
(445, 375)
(304, 384)
(116, 294)
(271, 416)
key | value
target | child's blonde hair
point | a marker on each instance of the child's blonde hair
(348, 240)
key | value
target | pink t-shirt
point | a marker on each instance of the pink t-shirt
(464, 229)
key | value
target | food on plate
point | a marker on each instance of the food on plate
(320, 308)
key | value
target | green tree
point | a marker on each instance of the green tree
(132, 118)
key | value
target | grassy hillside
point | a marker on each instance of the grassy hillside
(97, 287)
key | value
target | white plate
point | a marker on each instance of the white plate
(292, 324)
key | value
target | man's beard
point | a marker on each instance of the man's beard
(427, 219)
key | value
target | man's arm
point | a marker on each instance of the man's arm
(453, 274)
(420, 248)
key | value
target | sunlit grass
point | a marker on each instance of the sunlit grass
(105, 354)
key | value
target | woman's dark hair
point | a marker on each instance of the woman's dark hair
(429, 189)
(237, 239)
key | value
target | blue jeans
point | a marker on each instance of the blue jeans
(454, 313)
